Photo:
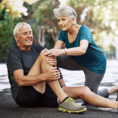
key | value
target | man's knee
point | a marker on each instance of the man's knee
(85, 90)
(42, 57)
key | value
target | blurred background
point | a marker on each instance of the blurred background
(99, 15)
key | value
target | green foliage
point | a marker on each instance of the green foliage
(101, 17)
(6, 29)
(49, 43)
(110, 52)
(43, 17)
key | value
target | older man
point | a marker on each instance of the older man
(33, 81)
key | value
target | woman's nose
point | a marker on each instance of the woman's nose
(60, 23)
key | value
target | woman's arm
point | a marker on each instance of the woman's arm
(59, 44)
(57, 50)
(75, 51)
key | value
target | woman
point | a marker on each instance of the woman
(81, 52)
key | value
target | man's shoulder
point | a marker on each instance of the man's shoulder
(37, 47)
(13, 51)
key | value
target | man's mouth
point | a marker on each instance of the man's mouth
(29, 40)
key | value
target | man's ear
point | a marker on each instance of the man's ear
(16, 37)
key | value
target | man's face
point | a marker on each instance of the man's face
(25, 37)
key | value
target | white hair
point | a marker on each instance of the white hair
(19, 26)
(65, 11)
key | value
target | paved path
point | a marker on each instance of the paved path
(8, 108)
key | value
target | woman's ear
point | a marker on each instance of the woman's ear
(73, 20)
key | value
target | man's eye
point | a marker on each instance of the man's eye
(24, 33)
(30, 32)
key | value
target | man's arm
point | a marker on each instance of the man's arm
(26, 80)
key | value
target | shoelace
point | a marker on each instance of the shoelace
(73, 102)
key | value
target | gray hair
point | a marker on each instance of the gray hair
(19, 26)
(65, 11)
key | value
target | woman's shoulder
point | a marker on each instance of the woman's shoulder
(84, 28)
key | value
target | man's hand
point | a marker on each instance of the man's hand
(52, 74)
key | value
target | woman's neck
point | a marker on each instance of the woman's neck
(74, 29)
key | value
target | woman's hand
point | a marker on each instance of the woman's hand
(51, 60)
(54, 52)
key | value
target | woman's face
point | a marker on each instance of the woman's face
(64, 23)
(25, 37)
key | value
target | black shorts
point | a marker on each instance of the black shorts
(29, 97)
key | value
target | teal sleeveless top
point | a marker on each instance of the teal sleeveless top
(94, 58)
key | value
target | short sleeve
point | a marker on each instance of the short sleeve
(62, 36)
(14, 62)
(85, 33)
(38, 48)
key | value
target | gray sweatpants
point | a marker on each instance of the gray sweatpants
(92, 79)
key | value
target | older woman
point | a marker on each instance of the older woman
(81, 52)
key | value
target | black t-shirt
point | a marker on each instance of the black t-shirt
(19, 59)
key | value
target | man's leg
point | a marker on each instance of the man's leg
(90, 97)
(67, 104)
(35, 70)
(54, 84)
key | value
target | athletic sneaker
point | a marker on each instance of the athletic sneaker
(70, 106)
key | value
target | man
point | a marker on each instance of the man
(33, 81)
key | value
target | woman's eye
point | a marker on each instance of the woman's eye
(63, 19)
(58, 20)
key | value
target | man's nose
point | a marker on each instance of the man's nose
(29, 34)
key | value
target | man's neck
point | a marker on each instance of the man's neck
(24, 48)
